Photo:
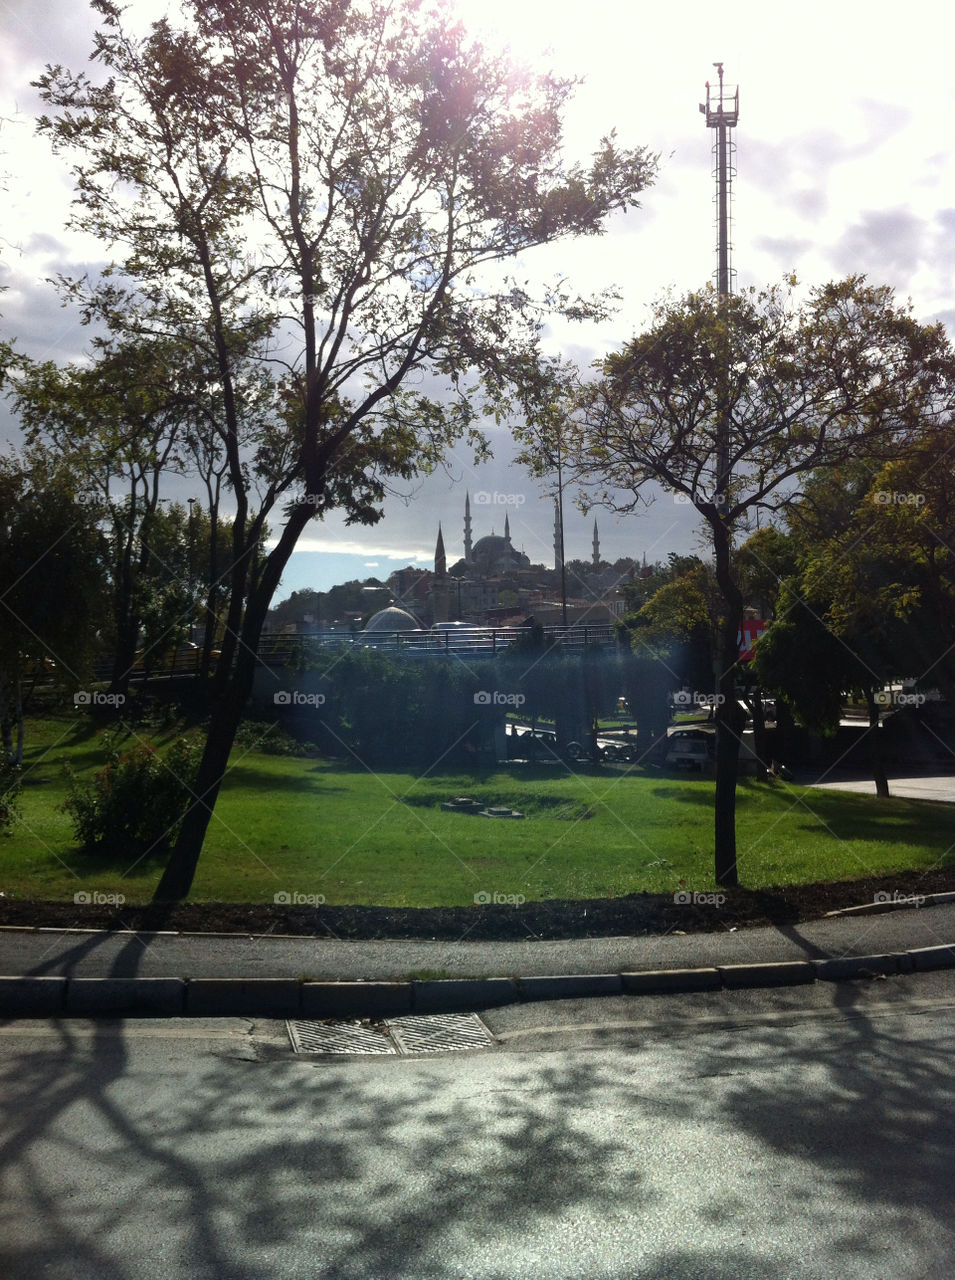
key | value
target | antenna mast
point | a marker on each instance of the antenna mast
(722, 114)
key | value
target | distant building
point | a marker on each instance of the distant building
(494, 581)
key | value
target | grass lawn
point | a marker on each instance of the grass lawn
(296, 825)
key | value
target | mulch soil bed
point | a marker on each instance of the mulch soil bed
(633, 915)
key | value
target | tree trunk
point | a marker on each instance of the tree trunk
(232, 689)
(177, 878)
(875, 746)
(727, 713)
(6, 719)
(209, 631)
(18, 695)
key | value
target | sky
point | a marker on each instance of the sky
(844, 165)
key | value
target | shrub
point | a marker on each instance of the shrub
(136, 804)
(257, 735)
(9, 794)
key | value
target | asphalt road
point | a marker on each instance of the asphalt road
(798, 1134)
(53, 952)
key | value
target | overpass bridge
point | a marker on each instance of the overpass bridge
(288, 650)
(478, 642)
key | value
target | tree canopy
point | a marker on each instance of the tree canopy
(725, 401)
(326, 190)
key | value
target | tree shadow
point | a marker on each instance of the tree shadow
(314, 781)
(124, 1161)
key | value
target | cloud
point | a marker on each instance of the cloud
(351, 547)
(810, 202)
(946, 317)
(787, 250)
(883, 242)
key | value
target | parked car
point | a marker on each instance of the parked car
(607, 749)
(523, 742)
(690, 749)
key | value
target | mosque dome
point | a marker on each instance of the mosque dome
(495, 552)
(393, 619)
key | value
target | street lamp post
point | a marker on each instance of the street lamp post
(193, 576)
(560, 522)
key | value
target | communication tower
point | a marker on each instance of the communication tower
(721, 110)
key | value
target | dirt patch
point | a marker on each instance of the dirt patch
(633, 915)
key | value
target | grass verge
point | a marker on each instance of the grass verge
(287, 825)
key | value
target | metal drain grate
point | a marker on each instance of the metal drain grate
(341, 1037)
(440, 1033)
(431, 1033)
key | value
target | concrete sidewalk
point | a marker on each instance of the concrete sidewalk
(55, 971)
(905, 788)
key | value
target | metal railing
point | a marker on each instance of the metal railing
(280, 649)
(477, 642)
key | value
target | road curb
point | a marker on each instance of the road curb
(782, 973)
(31, 997)
(664, 981)
(148, 997)
(925, 958)
(837, 969)
(442, 995)
(571, 986)
(237, 997)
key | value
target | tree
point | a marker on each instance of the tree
(763, 562)
(676, 626)
(872, 598)
(836, 636)
(726, 400)
(118, 421)
(52, 566)
(123, 422)
(326, 186)
(296, 607)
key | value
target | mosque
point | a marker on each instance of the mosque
(496, 582)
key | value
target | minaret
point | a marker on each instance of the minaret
(557, 556)
(439, 588)
(596, 549)
(467, 528)
(440, 560)
(507, 529)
